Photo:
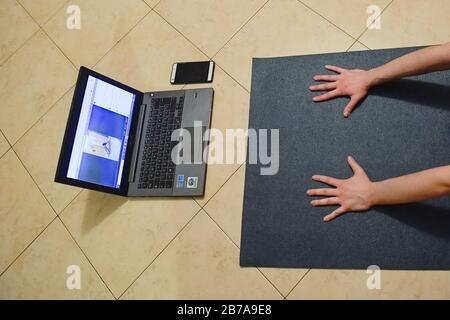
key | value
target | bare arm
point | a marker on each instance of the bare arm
(356, 83)
(426, 60)
(358, 193)
(414, 187)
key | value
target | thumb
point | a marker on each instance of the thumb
(354, 100)
(357, 169)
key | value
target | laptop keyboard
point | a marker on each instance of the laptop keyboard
(157, 168)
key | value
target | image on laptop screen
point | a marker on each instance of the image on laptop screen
(100, 143)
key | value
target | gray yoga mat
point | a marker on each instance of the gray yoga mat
(402, 127)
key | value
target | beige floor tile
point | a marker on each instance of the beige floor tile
(17, 27)
(4, 145)
(42, 10)
(103, 23)
(230, 111)
(24, 213)
(30, 83)
(152, 3)
(39, 150)
(40, 272)
(208, 23)
(297, 30)
(201, 263)
(349, 15)
(216, 176)
(144, 58)
(284, 279)
(122, 236)
(226, 210)
(411, 23)
(358, 46)
(226, 206)
(351, 284)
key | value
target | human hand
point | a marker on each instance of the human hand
(352, 83)
(353, 194)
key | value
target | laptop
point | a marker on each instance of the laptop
(122, 141)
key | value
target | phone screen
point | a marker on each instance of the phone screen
(192, 72)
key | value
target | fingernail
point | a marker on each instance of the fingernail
(325, 219)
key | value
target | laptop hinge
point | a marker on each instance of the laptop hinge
(137, 143)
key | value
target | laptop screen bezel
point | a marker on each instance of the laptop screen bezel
(71, 128)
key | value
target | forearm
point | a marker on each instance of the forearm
(431, 59)
(414, 187)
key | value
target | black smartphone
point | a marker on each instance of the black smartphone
(192, 72)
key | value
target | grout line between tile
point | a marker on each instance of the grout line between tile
(197, 202)
(239, 249)
(34, 181)
(20, 47)
(298, 283)
(26, 247)
(162, 250)
(1, 133)
(156, 4)
(241, 85)
(57, 46)
(1, 156)
(223, 184)
(329, 21)
(53, 14)
(273, 285)
(351, 45)
(226, 234)
(62, 96)
(240, 28)
(45, 32)
(56, 217)
(71, 201)
(151, 6)
(145, 2)
(367, 28)
(357, 41)
(41, 117)
(87, 258)
(9, 144)
(161, 16)
(235, 244)
(56, 214)
(123, 37)
(364, 45)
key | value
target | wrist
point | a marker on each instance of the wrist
(374, 78)
(374, 198)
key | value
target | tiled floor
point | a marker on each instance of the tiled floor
(163, 248)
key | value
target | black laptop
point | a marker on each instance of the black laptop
(123, 141)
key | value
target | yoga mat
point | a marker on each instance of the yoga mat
(402, 127)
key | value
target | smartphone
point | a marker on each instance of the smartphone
(192, 72)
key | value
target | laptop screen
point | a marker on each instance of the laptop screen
(99, 148)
